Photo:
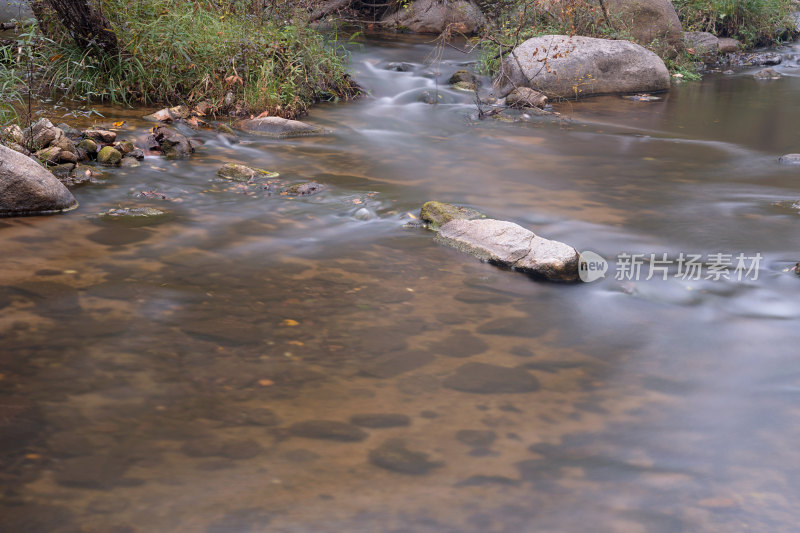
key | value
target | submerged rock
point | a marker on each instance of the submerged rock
(133, 212)
(27, 188)
(305, 189)
(509, 245)
(393, 455)
(398, 66)
(437, 214)
(526, 97)
(433, 16)
(327, 430)
(482, 378)
(476, 438)
(767, 74)
(567, 67)
(277, 127)
(380, 420)
(234, 172)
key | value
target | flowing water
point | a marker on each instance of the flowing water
(160, 376)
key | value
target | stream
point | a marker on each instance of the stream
(212, 371)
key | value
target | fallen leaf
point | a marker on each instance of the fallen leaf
(295, 343)
(266, 382)
(33, 456)
(290, 322)
(119, 124)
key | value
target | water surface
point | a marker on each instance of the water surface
(151, 374)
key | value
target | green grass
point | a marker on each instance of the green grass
(753, 22)
(179, 51)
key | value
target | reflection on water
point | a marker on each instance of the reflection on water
(260, 363)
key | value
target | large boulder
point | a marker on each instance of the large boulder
(648, 21)
(509, 245)
(27, 188)
(701, 43)
(435, 16)
(277, 127)
(567, 67)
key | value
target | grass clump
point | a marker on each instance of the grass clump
(753, 22)
(183, 51)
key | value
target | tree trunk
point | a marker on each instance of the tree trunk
(85, 24)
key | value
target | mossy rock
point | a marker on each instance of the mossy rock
(437, 214)
(464, 86)
(234, 172)
(462, 76)
(109, 156)
(88, 145)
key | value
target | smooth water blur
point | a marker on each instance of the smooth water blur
(150, 374)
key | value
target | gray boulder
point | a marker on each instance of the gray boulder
(435, 16)
(509, 245)
(27, 188)
(702, 42)
(567, 67)
(277, 127)
(728, 45)
(648, 21)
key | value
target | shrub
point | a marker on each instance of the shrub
(188, 51)
(754, 22)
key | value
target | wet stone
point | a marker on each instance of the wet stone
(327, 430)
(250, 520)
(241, 449)
(107, 506)
(380, 420)
(481, 378)
(517, 327)
(34, 518)
(391, 365)
(476, 438)
(481, 480)
(93, 472)
(461, 343)
(415, 385)
(300, 456)
(790, 159)
(258, 416)
(399, 67)
(305, 189)
(233, 449)
(393, 455)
